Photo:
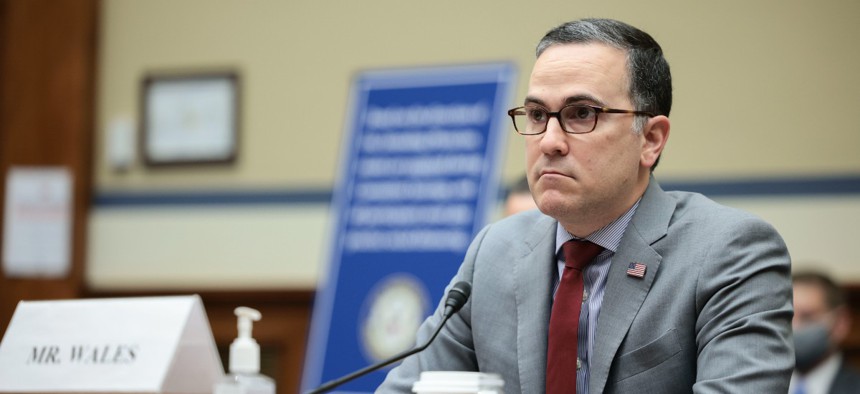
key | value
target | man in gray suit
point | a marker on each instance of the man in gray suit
(683, 296)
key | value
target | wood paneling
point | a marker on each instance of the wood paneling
(47, 84)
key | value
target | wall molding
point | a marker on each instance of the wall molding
(752, 187)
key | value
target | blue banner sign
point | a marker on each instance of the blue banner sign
(418, 180)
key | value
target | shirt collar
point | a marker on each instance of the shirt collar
(820, 378)
(609, 237)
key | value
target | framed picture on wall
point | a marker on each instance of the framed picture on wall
(190, 119)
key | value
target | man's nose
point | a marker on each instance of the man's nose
(554, 139)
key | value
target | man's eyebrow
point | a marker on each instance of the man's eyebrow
(534, 100)
(578, 99)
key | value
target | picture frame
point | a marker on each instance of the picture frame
(190, 119)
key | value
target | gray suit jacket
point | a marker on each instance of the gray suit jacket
(712, 314)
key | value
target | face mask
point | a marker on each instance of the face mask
(811, 344)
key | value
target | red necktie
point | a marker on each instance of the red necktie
(564, 321)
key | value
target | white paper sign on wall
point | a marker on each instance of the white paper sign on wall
(37, 222)
(129, 345)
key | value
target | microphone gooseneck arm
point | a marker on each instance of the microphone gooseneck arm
(457, 297)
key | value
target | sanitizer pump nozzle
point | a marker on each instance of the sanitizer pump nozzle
(244, 351)
(244, 376)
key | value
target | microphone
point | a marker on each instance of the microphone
(457, 297)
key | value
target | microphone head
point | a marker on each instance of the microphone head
(457, 296)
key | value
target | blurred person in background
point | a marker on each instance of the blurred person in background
(822, 321)
(519, 197)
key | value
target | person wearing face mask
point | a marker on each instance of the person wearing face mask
(821, 322)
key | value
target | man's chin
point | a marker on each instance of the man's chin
(554, 207)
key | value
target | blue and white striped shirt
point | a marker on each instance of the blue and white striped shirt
(594, 283)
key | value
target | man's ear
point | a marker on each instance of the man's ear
(654, 137)
(842, 324)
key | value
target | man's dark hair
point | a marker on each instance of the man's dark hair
(833, 293)
(649, 78)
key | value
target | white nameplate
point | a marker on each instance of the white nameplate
(127, 345)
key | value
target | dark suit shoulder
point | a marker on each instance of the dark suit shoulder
(847, 380)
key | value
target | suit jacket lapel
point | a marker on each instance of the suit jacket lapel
(533, 279)
(624, 294)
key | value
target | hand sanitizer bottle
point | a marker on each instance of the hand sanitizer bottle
(244, 376)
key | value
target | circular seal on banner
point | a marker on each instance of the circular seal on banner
(395, 307)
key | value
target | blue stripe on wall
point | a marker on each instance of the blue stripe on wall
(210, 197)
(811, 186)
(771, 187)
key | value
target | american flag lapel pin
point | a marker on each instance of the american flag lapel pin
(636, 269)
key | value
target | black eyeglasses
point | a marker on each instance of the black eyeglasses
(574, 118)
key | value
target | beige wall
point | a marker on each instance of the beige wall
(762, 89)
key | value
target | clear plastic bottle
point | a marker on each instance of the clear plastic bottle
(244, 376)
